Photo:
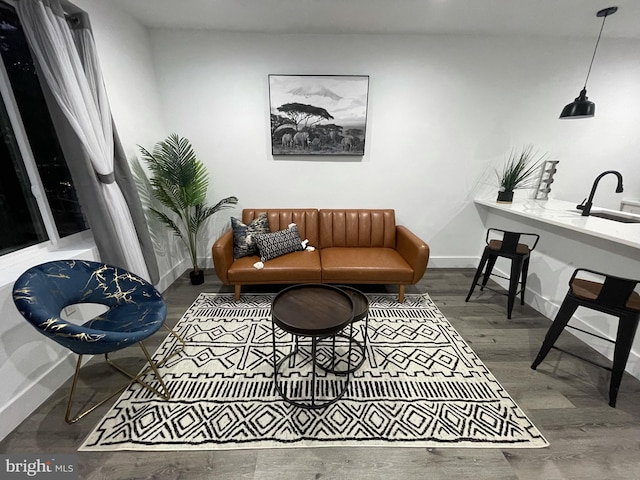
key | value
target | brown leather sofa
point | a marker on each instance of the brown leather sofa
(351, 247)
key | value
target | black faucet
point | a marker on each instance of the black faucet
(586, 207)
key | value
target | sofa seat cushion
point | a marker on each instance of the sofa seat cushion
(364, 265)
(295, 267)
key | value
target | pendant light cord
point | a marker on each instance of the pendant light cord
(594, 51)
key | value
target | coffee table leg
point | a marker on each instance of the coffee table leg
(349, 352)
(366, 331)
(275, 359)
(292, 359)
(333, 354)
(313, 374)
(313, 403)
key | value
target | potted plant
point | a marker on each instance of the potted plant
(519, 171)
(180, 181)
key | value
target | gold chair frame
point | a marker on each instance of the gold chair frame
(151, 365)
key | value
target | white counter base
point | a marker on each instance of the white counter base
(569, 241)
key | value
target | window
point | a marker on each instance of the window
(37, 198)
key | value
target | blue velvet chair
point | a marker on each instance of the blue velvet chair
(135, 311)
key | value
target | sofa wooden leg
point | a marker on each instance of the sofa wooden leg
(236, 294)
(401, 294)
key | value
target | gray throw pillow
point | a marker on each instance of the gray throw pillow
(275, 244)
(244, 243)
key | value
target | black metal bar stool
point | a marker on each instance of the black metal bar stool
(516, 246)
(615, 296)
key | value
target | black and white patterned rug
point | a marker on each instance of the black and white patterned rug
(420, 385)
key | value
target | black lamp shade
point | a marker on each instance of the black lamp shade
(581, 107)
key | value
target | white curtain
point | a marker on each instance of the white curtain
(81, 95)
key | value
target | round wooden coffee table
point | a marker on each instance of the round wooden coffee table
(310, 311)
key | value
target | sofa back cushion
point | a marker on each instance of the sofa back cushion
(357, 228)
(279, 218)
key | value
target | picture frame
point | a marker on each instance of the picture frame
(318, 114)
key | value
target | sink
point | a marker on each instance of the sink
(616, 216)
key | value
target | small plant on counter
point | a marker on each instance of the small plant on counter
(519, 171)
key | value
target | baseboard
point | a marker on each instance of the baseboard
(177, 270)
(28, 400)
(171, 275)
(453, 262)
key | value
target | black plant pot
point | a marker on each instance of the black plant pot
(197, 278)
(505, 197)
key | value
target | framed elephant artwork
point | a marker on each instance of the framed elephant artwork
(318, 114)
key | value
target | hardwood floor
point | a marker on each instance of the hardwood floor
(566, 399)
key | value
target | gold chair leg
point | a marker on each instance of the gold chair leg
(401, 294)
(133, 379)
(138, 378)
(177, 350)
(67, 416)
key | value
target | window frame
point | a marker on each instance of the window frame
(37, 188)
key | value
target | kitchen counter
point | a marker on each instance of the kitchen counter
(565, 215)
(610, 247)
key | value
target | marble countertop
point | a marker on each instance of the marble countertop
(565, 215)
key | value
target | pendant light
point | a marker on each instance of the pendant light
(581, 107)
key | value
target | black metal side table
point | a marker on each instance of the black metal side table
(314, 311)
(360, 312)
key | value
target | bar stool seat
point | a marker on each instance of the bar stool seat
(515, 246)
(614, 296)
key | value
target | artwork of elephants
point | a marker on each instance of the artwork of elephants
(318, 114)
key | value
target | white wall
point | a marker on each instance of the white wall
(442, 112)
(124, 49)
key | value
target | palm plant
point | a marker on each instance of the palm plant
(520, 169)
(180, 181)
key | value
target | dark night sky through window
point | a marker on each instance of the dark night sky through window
(14, 196)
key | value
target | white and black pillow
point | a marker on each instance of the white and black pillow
(244, 243)
(275, 244)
